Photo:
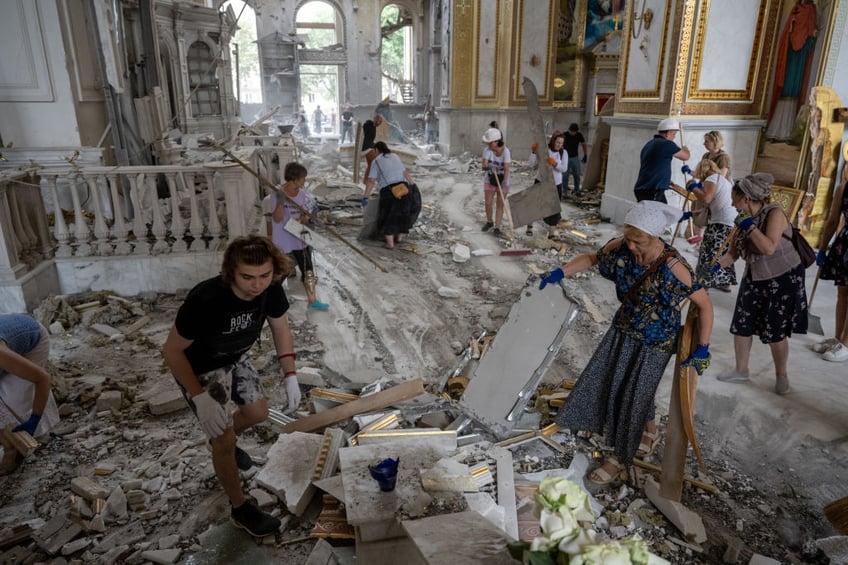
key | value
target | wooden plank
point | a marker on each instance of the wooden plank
(21, 441)
(398, 393)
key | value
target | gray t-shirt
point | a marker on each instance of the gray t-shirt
(387, 169)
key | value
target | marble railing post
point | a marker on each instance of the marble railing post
(240, 197)
(11, 267)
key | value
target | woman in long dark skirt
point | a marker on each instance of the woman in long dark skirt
(396, 216)
(614, 395)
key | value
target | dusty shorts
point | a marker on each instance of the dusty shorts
(236, 384)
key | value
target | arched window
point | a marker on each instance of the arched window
(203, 81)
(317, 21)
(397, 53)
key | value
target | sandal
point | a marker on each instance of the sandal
(529, 231)
(601, 476)
(647, 446)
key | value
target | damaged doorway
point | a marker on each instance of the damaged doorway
(321, 67)
(319, 92)
(396, 54)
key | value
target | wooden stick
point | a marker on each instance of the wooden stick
(403, 391)
(694, 482)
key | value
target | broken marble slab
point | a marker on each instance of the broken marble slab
(504, 382)
(376, 514)
(291, 464)
(460, 538)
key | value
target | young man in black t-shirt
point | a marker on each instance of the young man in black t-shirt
(207, 352)
(573, 140)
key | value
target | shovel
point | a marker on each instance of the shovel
(813, 321)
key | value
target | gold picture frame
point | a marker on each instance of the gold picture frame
(789, 199)
(601, 99)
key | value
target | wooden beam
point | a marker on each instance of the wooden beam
(21, 441)
(398, 393)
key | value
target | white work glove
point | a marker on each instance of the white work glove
(293, 392)
(212, 415)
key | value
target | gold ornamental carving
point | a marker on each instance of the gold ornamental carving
(683, 55)
(462, 52)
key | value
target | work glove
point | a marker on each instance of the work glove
(551, 277)
(584, 159)
(699, 360)
(293, 392)
(744, 221)
(211, 414)
(29, 426)
(364, 201)
(534, 147)
(686, 170)
(552, 162)
(686, 215)
(820, 257)
(692, 184)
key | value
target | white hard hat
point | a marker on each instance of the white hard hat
(492, 134)
(669, 124)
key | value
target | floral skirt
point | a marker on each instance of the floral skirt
(614, 395)
(773, 309)
(714, 236)
(835, 266)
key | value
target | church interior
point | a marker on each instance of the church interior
(119, 121)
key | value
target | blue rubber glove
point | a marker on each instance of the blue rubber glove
(583, 160)
(686, 170)
(30, 425)
(716, 267)
(744, 221)
(686, 215)
(551, 277)
(699, 360)
(364, 201)
(820, 257)
(693, 184)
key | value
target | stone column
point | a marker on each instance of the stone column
(240, 197)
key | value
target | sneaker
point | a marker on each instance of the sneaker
(318, 305)
(243, 460)
(732, 377)
(497, 232)
(529, 231)
(487, 226)
(781, 386)
(256, 522)
(836, 354)
(825, 345)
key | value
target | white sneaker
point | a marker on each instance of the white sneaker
(825, 345)
(837, 354)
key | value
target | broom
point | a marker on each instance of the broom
(814, 322)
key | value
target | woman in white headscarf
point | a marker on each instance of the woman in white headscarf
(614, 395)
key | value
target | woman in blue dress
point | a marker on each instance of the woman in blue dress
(614, 395)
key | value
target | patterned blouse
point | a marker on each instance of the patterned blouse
(652, 314)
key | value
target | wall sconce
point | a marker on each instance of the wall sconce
(643, 19)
